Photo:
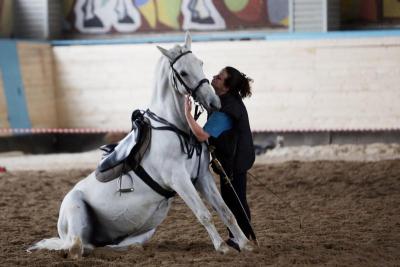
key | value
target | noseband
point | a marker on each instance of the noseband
(191, 91)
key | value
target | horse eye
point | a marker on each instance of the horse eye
(184, 73)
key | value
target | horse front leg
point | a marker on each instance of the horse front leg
(207, 187)
(188, 193)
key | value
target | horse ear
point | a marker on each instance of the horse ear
(166, 53)
(188, 40)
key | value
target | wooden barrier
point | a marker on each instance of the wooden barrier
(36, 64)
(3, 105)
(99, 86)
(300, 85)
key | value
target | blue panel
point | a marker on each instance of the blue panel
(139, 3)
(332, 35)
(13, 87)
(230, 36)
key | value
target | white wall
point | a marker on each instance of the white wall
(342, 84)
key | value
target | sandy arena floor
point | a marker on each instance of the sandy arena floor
(349, 212)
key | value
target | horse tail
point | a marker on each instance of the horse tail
(54, 243)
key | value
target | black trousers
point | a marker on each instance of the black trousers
(239, 183)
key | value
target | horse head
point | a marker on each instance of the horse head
(187, 75)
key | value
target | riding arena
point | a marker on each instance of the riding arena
(99, 166)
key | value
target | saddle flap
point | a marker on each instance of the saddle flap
(127, 154)
(120, 152)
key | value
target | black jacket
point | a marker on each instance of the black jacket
(234, 147)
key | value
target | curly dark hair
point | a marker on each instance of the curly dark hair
(237, 82)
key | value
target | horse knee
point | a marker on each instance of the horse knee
(205, 218)
(227, 213)
(231, 218)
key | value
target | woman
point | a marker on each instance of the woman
(229, 132)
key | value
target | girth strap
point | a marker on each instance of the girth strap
(146, 178)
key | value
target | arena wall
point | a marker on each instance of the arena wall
(300, 85)
(36, 64)
(343, 84)
(3, 105)
(27, 89)
(6, 18)
(99, 86)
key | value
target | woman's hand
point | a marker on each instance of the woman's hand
(200, 134)
(188, 105)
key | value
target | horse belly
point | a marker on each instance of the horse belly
(142, 219)
(117, 215)
(128, 221)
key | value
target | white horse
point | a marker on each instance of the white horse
(95, 213)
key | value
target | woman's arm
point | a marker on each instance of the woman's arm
(197, 130)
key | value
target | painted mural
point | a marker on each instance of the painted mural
(127, 16)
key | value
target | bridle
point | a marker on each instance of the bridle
(190, 91)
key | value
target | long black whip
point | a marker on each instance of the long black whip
(277, 196)
(218, 165)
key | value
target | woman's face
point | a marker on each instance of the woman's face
(218, 82)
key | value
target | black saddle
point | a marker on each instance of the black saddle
(126, 155)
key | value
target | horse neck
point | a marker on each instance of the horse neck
(166, 102)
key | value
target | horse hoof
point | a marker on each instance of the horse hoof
(223, 249)
(247, 247)
(76, 250)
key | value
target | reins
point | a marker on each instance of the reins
(188, 143)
